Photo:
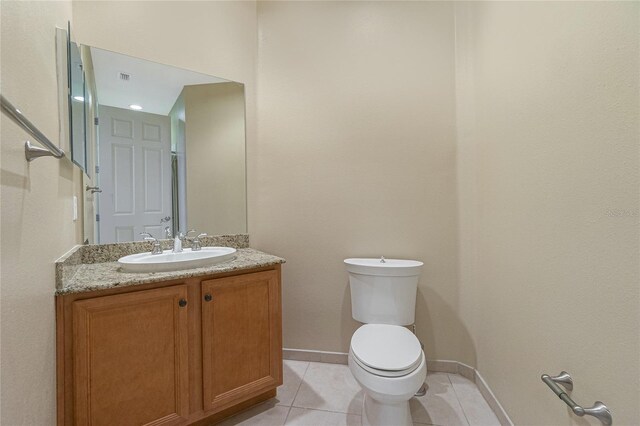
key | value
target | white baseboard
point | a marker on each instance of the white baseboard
(442, 366)
(315, 356)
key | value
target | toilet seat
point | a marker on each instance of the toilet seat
(384, 373)
(386, 350)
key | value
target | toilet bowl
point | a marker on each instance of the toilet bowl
(389, 364)
(385, 358)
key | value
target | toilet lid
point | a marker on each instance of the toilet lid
(386, 347)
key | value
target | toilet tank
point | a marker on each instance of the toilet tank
(383, 291)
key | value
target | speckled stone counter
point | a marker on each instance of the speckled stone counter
(95, 267)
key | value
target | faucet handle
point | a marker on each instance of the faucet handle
(157, 249)
(195, 243)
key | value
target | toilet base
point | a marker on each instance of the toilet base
(378, 413)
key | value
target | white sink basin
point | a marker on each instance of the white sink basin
(169, 261)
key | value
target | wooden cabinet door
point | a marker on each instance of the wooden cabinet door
(130, 358)
(241, 338)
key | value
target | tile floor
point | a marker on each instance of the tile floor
(318, 394)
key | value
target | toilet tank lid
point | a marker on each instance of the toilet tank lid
(386, 347)
(390, 267)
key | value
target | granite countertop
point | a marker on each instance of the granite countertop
(82, 269)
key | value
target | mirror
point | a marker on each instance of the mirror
(168, 146)
(76, 102)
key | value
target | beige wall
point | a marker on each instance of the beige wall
(215, 145)
(36, 210)
(548, 121)
(356, 157)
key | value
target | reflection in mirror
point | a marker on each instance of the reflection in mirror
(77, 96)
(170, 151)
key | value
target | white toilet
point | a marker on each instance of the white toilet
(385, 358)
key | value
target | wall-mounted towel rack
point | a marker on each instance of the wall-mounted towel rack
(31, 152)
(599, 410)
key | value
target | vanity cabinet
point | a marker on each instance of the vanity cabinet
(130, 356)
(180, 352)
(242, 352)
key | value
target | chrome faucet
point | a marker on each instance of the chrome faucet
(177, 241)
(195, 243)
(157, 249)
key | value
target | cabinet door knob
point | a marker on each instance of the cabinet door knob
(182, 303)
(208, 297)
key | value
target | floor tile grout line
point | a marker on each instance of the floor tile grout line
(287, 416)
(315, 409)
(326, 411)
(464, 412)
(295, 395)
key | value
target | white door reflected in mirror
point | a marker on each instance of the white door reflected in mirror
(135, 155)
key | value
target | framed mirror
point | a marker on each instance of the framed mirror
(76, 102)
(168, 146)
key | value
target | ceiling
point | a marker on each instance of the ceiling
(151, 85)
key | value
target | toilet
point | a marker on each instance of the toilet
(385, 358)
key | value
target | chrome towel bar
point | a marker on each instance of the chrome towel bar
(31, 152)
(599, 410)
